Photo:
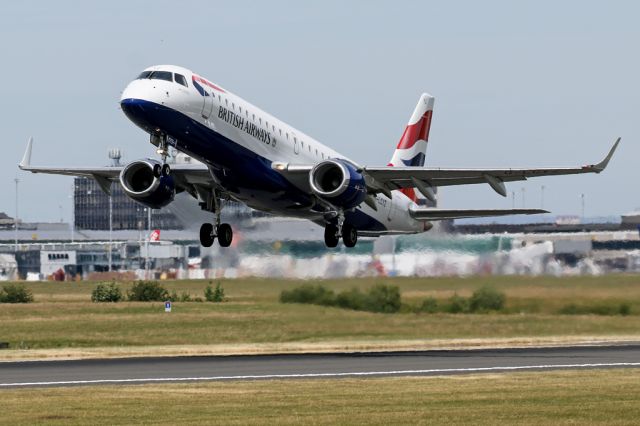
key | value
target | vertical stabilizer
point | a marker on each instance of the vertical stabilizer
(412, 148)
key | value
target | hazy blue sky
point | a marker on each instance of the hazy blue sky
(535, 84)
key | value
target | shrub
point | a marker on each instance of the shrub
(486, 299)
(147, 291)
(457, 304)
(216, 295)
(351, 299)
(383, 298)
(317, 295)
(15, 293)
(106, 292)
(429, 305)
(602, 309)
(380, 298)
(624, 309)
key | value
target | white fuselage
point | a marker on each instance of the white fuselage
(239, 142)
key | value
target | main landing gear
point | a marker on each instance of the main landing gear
(208, 231)
(333, 232)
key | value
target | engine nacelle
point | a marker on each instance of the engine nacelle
(338, 182)
(143, 181)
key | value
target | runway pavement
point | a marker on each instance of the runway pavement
(255, 367)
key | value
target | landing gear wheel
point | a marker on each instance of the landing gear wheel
(225, 235)
(166, 169)
(157, 170)
(349, 235)
(206, 235)
(331, 236)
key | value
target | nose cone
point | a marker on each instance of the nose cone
(143, 105)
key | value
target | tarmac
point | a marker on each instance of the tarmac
(313, 366)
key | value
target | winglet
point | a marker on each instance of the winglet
(26, 158)
(603, 164)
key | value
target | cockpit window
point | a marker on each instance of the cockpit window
(181, 80)
(156, 75)
(161, 75)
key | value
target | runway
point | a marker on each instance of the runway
(257, 367)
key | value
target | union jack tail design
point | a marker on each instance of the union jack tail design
(412, 148)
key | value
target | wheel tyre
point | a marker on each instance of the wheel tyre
(206, 235)
(157, 170)
(225, 235)
(166, 170)
(331, 236)
(349, 235)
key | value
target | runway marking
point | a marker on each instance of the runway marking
(320, 375)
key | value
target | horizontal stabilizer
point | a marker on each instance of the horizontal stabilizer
(444, 214)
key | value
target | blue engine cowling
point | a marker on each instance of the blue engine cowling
(338, 182)
(141, 183)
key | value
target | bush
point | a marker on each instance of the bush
(147, 291)
(487, 299)
(429, 305)
(15, 293)
(106, 292)
(351, 299)
(216, 295)
(380, 298)
(317, 295)
(623, 309)
(457, 304)
(383, 298)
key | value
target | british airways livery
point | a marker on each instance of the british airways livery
(252, 157)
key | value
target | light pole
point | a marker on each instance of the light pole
(542, 197)
(582, 205)
(513, 199)
(110, 230)
(15, 220)
(73, 210)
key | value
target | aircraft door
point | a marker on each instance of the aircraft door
(390, 208)
(207, 106)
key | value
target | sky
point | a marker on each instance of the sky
(542, 83)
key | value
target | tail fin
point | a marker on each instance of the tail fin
(412, 148)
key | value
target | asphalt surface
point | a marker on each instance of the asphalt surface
(250, 367)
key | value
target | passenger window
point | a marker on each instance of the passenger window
(233, 106)
(240, 109)
(181, 80)
(226, 102)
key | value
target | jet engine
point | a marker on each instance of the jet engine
(148, 182)
(338, 182)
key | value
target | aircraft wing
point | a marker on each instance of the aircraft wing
(444, 214)
(387, 178)
(188, 177)
(425, 177)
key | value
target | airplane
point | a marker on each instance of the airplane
(250, 156)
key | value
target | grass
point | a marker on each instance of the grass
(64, 317)
(569, 397)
